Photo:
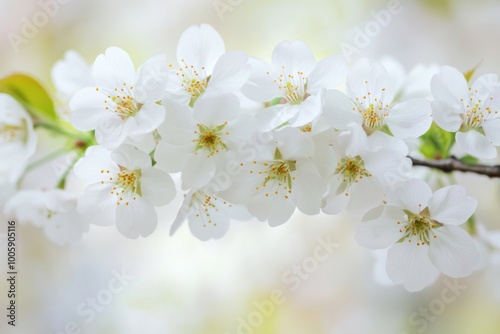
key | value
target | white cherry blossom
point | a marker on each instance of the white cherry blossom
(204, 68)
(361, 170)
(421, 229)
(201, 140)
(123, 187)
(69, 75)
(281, 178)
(298, 79)
(208, 214)
(53, 210)
(470, 111)
(370, 103)
(18, 139)
(124, 103)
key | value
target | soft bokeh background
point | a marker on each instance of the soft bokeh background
(184, 286)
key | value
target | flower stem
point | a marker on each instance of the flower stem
(61, 184)
(45, 159)
(59, 130)
(40, 162)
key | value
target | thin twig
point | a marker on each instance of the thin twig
(453, 164)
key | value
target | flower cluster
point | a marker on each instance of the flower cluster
(253, 139)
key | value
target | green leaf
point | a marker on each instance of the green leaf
(468, 75)
(469, 160)
(31, 94)
(436, 143)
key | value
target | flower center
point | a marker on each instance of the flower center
(279, 171)
(477, 111)
(351, 170)
(292, 85)
(126, 185)
(209, 139)
(373, 109)
(124, 104)
(192, 81)
(10, 132)
(418, 226)
(306, 128)
(202, 204)
(372, 117)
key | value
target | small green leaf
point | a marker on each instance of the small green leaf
(31, 94)
(436, 143)
(468, 75)
(469, 160)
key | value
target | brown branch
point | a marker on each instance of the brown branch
(453, 164)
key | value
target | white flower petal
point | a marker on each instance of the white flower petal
(370, 79)
(410, 119)
(71, 74)
(151, 80)
(98, 201)
(198, 171)
(293, 143)
(309, 110)
(200, 46)
(171, 158)
(449, 86)
(491, 129)
(328, 73)
(260, 86)
(381, 232)
(112, 131)
(87, 109)
(113, 69)
(27, 206)
(275, 208)
(451, 205)
(272, 117)
(294, 56)
(179, 125)
(412, 195)
(157, 187)
(215, 111)
(379, 139)
(137, 219)
(365, 195)
(149, 118)
(230, 73)
(447, 117)
(211, 220)
(339, 110)
(182, 214)
(130, 157)
(409, 264)
(336, 199)
(308, 187)
(453, 252)
(476, 144)
(66, 227)
(96, 159)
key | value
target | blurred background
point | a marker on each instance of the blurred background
(245, 282)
